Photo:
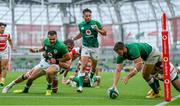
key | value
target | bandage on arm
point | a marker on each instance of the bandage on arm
(138, 66)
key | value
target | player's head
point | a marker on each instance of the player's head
(87, 14)
(2, 27)
(69, 43)
(120, 48)
(52, 36)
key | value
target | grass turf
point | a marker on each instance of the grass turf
(131, 94)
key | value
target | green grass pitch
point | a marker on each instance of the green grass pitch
(131, 94)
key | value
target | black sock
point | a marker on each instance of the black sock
(157, 83)
(26, 89)
(49, 86)
(153, 85)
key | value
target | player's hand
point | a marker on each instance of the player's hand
(52, 61)
(125, 80)
(64, 81)
(113, 88)
(96, 28)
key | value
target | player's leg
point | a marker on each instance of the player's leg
(81, 74)
(16, 81)
(85, 54)
(98, 81)
(174, 78)
(149, 67)
(94, 58)
(176, 83)
(55, 84)
(150, 80)
(156, 81)
(64, 76)
(94, 64)
(4, 68)
(36, 73)
(50, 74)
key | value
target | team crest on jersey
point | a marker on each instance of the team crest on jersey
(55, 51)
(49, 54)
(88, 32)
(82, 28)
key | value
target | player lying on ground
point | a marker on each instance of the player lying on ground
(74, 80)
(74, 52)
(54, 50)
(158, 74)
(138, 53)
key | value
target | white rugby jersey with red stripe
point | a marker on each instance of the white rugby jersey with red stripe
(3, 41)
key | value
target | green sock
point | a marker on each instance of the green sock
(92, 74)
(81, 80)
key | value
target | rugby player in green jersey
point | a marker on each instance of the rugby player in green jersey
(56, 54)
(88, 30)
(139, 53)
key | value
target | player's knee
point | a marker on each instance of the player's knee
(24, 76)
(30, 79)
(146, 77)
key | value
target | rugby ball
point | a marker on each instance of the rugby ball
(113, 94)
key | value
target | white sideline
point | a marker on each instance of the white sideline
(164, 103)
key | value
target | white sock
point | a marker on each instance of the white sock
(12, 83)
(2, 79)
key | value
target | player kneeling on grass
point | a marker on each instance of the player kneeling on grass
(158, 75)
(56, 54)
(138, 53)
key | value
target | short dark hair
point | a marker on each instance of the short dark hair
(2, 24)
(69, 41)
(52, 33)
(86, 10)
(118, 46)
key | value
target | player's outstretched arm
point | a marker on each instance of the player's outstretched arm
(117, 75)
(138, 66)
(11, 44)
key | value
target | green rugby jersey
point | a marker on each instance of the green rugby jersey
(135, 50)
(55, 51)
(89, 35)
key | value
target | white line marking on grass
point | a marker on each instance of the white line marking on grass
(50, 97)
(65, 97)
(164, 103)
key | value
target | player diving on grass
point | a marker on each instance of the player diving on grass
(55, 56)
(138, 53)
(157, 73)
(89, 30)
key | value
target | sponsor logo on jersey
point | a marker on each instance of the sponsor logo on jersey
(49, 54)
(88, 32)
